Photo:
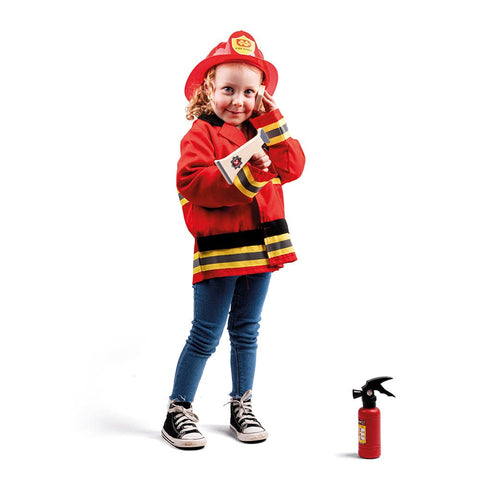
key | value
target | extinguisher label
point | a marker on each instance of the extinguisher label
(362, 432)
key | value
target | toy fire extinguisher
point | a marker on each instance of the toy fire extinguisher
(369, 418)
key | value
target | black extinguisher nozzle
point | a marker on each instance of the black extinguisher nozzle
(357, 393)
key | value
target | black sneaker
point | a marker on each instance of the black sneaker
(179, 429)
(243, 422)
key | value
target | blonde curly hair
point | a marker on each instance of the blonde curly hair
(201, 101)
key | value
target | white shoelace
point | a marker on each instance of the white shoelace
(184, 419)
(244, 412)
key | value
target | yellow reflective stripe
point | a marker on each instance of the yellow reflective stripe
(238, 257)
(245, 182)
(221, 266)
(283, 251)
(277, 136)
(250, 178)
(275, 125)
(248, 256)
(229, 251)
(276, 181)
(278, 245)
(183, 200)
(277, 238)
(278, 139)
(239, 185)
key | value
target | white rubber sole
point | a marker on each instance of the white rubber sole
(184, 444)
(250, 437)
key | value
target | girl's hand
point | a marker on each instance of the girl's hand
(268, 102)
(261, 160)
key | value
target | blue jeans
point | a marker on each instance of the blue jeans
(243, 296)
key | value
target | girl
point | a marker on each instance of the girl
(240, 233)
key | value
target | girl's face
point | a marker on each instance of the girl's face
(236, 85)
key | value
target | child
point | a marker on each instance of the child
(241, 235)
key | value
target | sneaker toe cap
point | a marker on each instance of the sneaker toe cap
(249, 430)
(193, 436)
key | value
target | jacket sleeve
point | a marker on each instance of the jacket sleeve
(201, 182)
(285, 152)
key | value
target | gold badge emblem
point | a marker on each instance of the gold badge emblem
(243, 45)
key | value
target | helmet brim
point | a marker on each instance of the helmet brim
(197, 76)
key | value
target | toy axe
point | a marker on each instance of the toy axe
(231, 164)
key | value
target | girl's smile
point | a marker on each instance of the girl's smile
(236, 85)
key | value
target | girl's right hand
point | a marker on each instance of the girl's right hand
(261, 160)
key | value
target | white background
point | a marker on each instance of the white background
(95, 259)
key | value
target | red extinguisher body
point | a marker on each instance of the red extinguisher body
(369, 443)
(369, 417)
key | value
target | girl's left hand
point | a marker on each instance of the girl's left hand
(268, 102)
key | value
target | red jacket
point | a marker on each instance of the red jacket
(239, 228)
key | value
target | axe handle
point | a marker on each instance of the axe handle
(234, 162)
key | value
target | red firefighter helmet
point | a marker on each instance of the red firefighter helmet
(240, 47)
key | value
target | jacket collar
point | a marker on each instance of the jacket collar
(231, 133)
(211, 119)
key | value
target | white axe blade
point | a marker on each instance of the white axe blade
(233, 163)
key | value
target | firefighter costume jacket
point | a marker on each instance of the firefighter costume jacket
(239, 229)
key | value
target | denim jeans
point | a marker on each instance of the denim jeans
(242, 296)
